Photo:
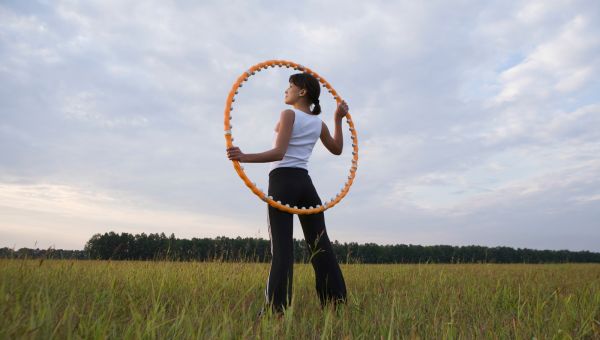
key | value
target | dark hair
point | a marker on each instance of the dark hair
(309, 83)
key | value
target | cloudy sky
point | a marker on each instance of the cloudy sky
(478, 122)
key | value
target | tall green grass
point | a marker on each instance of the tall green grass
(103, 299)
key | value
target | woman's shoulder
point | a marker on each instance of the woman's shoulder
(288, 114)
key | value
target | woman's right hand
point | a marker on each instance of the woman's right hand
(341, 111)
(235, 154)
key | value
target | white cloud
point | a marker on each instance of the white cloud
(563, 64)
(66, 216)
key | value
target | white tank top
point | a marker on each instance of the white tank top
(305, 133)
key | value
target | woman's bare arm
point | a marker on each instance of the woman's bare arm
(335, 144)
(286, 123)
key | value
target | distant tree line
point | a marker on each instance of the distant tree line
(143, 246)
(51, 253)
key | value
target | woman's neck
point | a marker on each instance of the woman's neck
(302, 107)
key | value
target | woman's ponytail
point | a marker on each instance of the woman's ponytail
(317, 109)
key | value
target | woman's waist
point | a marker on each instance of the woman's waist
(288, 170)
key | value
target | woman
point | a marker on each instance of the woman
(289, 182)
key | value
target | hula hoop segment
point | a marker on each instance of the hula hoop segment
(240, 169)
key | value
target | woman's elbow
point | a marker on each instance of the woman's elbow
(279, 155)
(340, 148)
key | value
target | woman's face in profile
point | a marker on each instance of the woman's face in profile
(292, 94)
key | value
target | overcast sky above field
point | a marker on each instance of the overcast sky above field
(478, 122)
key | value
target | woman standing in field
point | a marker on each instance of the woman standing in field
(296, 134)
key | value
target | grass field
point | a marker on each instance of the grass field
(103, 299)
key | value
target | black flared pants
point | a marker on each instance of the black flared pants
(294, 187)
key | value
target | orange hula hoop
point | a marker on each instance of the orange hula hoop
(240, 170)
